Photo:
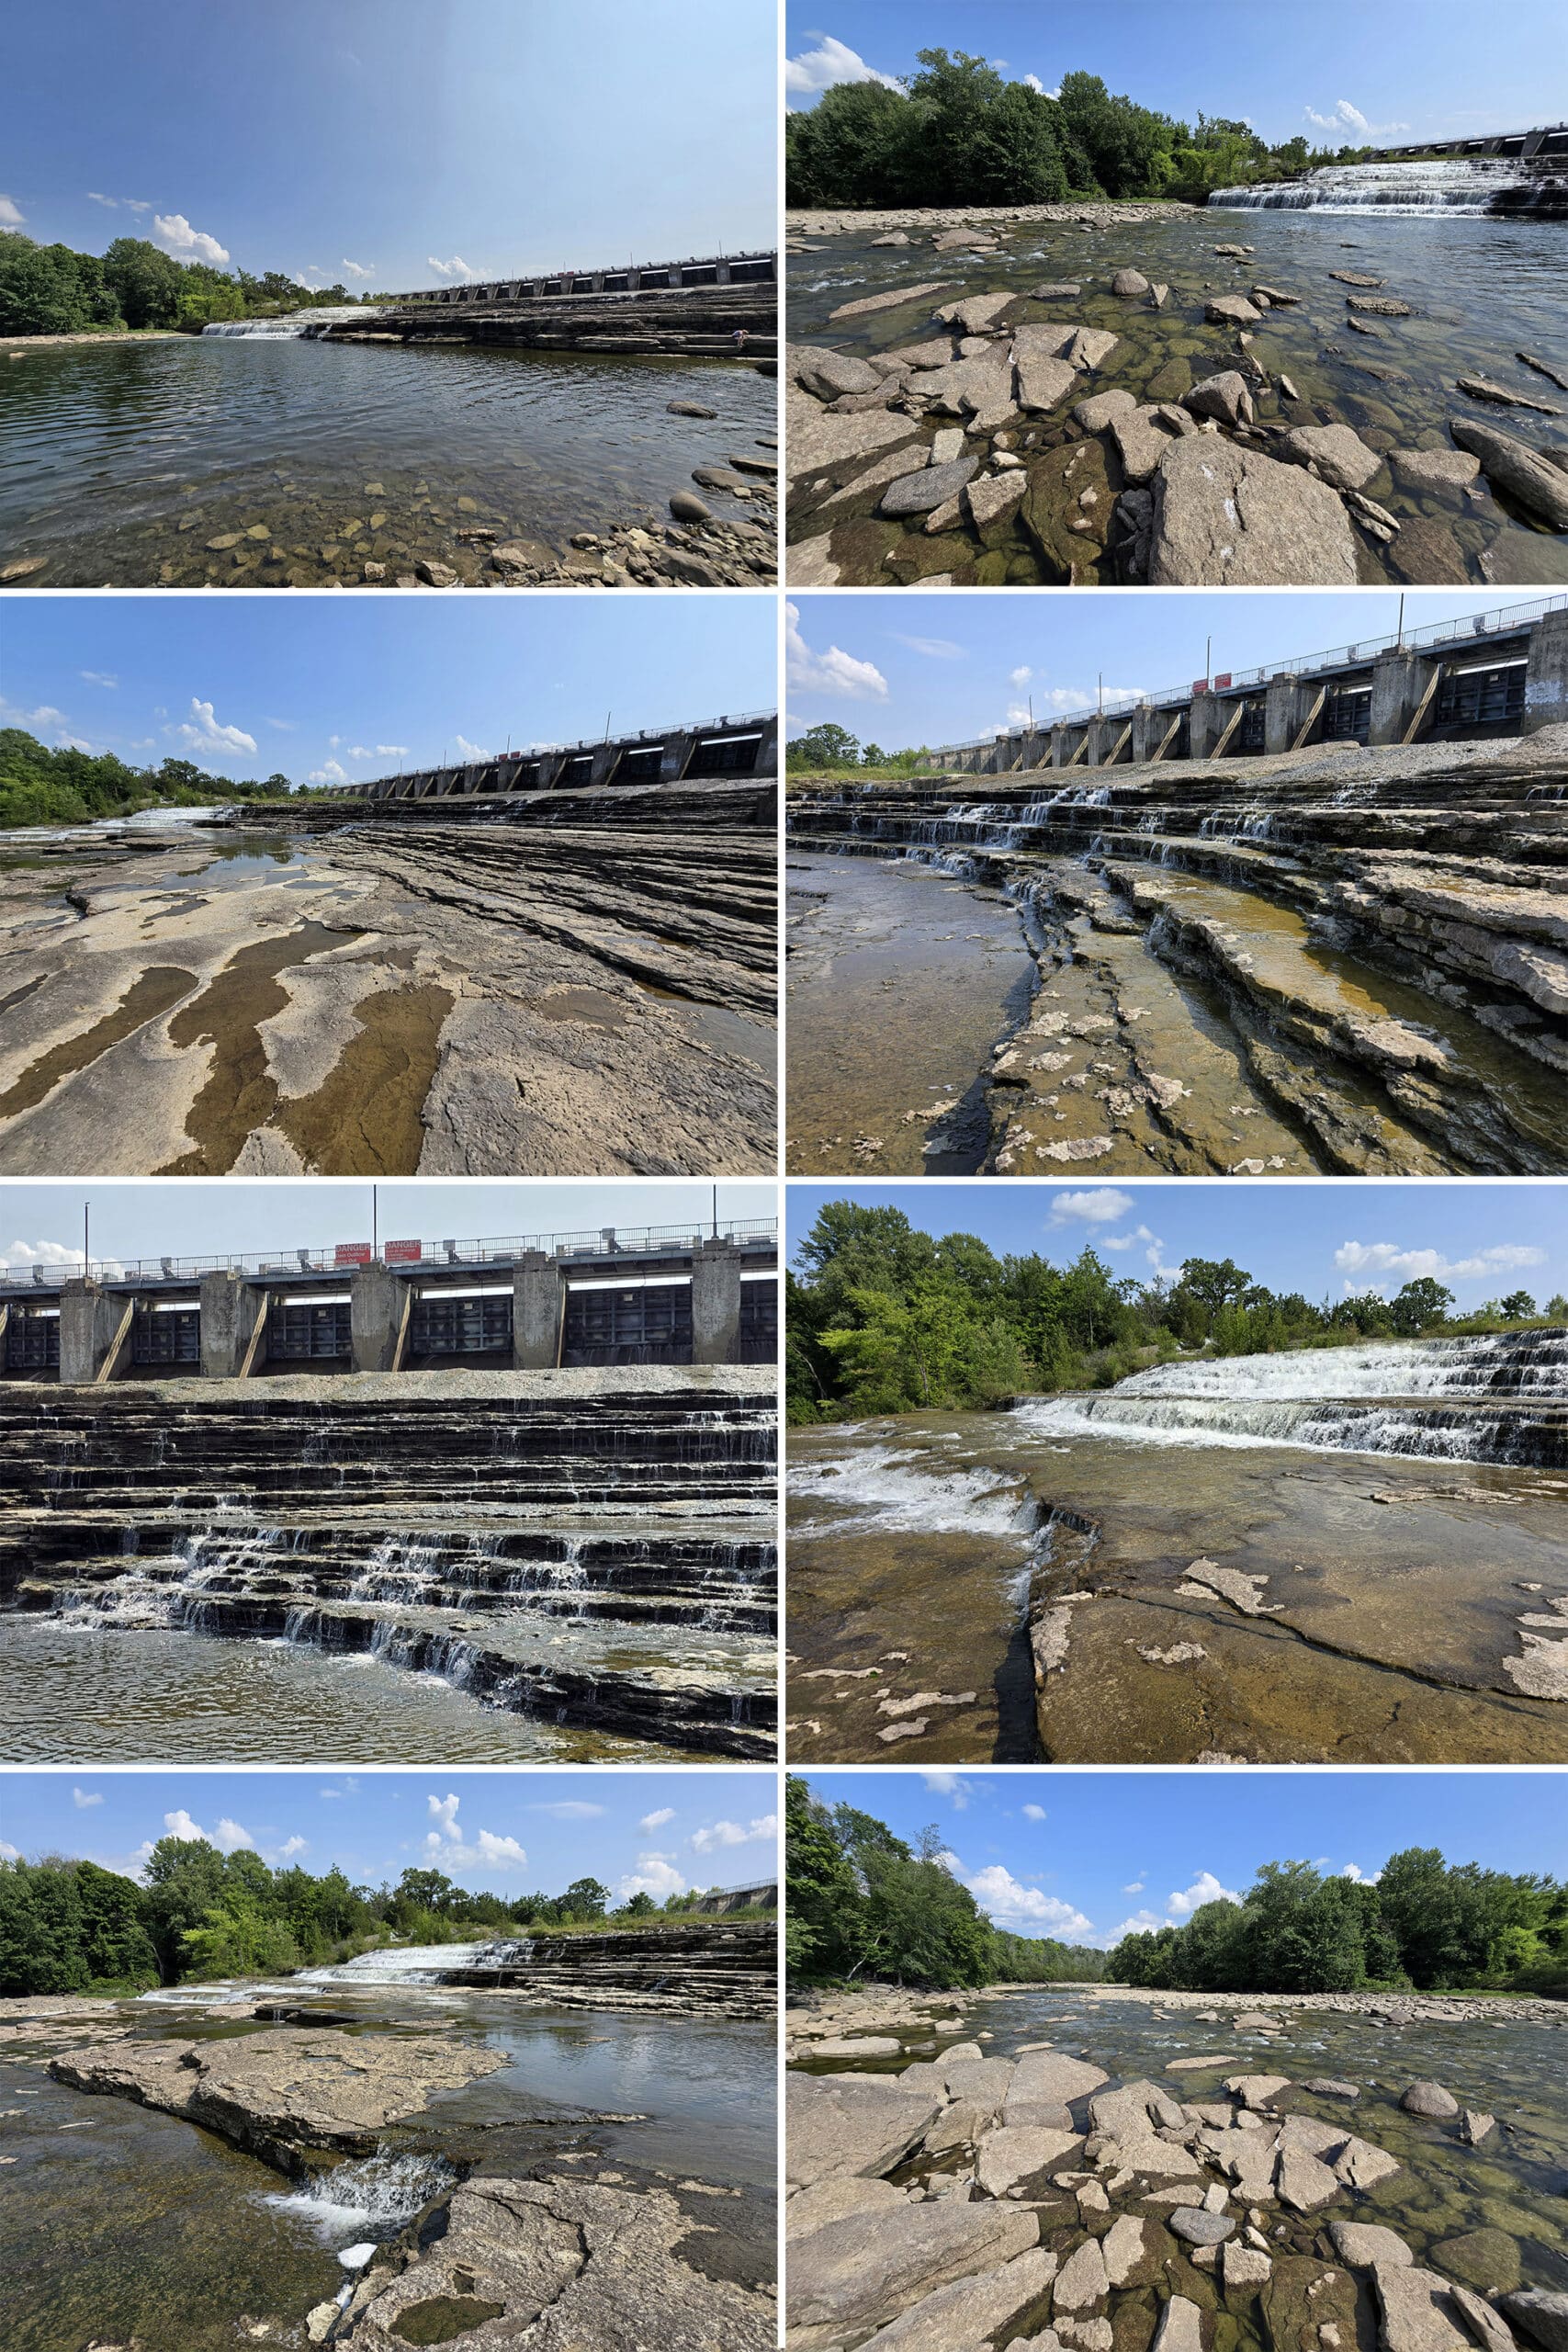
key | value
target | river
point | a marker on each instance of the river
(121, 465)
(120, 2223)
(1480, 290)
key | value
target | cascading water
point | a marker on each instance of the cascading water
(1452, 186)
(1502, 1361)
(293, 326)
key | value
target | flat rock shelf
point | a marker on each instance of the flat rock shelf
(1349, 1555)
(597, 1567)
(1341, 960)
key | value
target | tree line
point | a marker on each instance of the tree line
(44, 785)
(860, 1902)
(53, 289)
(829, 747)
(1424, 1924)
(883, 1318)
(69, 1925)
(961, 133)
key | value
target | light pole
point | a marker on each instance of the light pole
(86, 1243)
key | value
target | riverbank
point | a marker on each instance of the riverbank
(1350, 1556)
(1085, 2165)
(1083, 389)
(18, 344)
(442, 2159)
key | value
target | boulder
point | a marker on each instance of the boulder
(1340, 456)
(894, 237)
(857, 2274)
(1434, 469)
(919, 493)
(919, 356)
(866, 2045)
(1415, 2311)
(1325, 2086)
(686, 507)
(1513, 466)
(1360, 2166)
(1144, 434)
(1361, 2243)
(1049, 2078)
(1129, 282)
(1226, 396)
(834, 2199)
(1542, 2315)
(954, 2318)
(1081, 2283)
(1123, 2248)
(441, 575)
(1304, 2181)
(1256, 2090)
(1486, 2259)
(1482, 2321)
(1226, 515)
(689, 408)
(1243, 2266)
(1426, 2097)
(1018, 2151)
(1180, 2326)
(1041, 383)
(977, 311)
(850, 2123)
(1199, 2227)
(1231, 310)
(892, 302)
(1054, 293)
(1474, 2125)
(992, 503)
(980, 387)
(1095, 413)
(829, 374)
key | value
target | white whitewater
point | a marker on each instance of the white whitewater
(293, 325)
(419, 1964)
(1536, 1361)
(1453, 186)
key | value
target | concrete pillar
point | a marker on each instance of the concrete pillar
(1037, 747)
(1207, 723)
(378, 1301)
(94, 1334)
(1399, 683)
(716, 1303)
(1150, 728)
(678, 750)
(1286, 703)
(602, 763)
(1064, 741)
(768, 749)
(550, 766)
(1546, 679)
(538, 1308)
(232, 1312)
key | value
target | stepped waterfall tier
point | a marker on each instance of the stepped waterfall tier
(1343, 960)
(568, 1564)
(702, 1968)
(1345, 1555)
(485, 980)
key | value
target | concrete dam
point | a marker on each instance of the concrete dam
(1312, 921)
(543, 1477)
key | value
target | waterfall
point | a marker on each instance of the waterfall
(1453, 186)
(397, 1964)
(293, 326)
(1504, 1360)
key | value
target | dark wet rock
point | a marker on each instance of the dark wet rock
(1427, 554)
(921, 493)
(1304, 2295)
(1067, 485)
(1540, 2314)
(688, 408)
(686, 507)
(1428, 2097)
(1226, 516)
(1434, 469)
(1380, 306)
(1486, 2259)
(1513, 466)
(1231, 310)
(1129, 282)
(1325, 2086)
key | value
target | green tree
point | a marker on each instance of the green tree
(823, 746)
(585, 1898)
(1421, 1306)
(1519, 1307)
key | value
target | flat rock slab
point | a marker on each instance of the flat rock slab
(1050, 2078)
(1340, 456)
(1363, 2244)
(846, 2123)
(857, 2274)
(886, 302)
(565, 2266)
(1417, 2311)
(276, 2092)
(1018, 2151)
(1226, 516)
(1513, 466)
(919, 493)
(956, 2317)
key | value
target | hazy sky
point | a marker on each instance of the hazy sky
(248, 685)
(223, 1217)
(900, 670)
(1322, 1239)
(395, 144)
(1341, 74)
(1087, 1856)
(515, 1833)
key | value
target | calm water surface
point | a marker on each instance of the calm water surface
(120, 464)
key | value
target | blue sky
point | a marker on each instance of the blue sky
(389, 144)
(197, 1217)
(249, 685)
(1481, 1240)
(899, 671)
(1087, 1856)
(1341, 74)
(513, 1833)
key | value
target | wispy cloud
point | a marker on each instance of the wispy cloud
(448, 1847)
(934, 648)
(11, 213)
(360, 269)
(765, 1830)
(202, 733)
(97, 678)
(1372, 1265)
(456, 267)
(1351, 123)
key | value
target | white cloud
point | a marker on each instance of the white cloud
(329, 773)
(9, 1853)
(652, 1821)
(391, 750)
(471, 751)
(447, 1847)
(284, 725)
(11, 213)
(1141, 1923)
(134, 204)
(1020, 678)
(68, 742)
(934, 649)
(1024, 1908)
(349, 1788)
(824, 67)
(184, 242)
(1103, 1205)
(92, 197)
(1205, 1888)
(292, 1845)
(40, 1253)
(833, 672)
(230, 1836)
(1068, 699)
(655, 1874)
(97, 678)
(729, 1833)
(1134, 1888)
(215, 741)
(1379, 1262)
(951, 1785)
(82, 1798)
(1034, 1812)
(569, 1809)
(44, 716)
(1351, 123)
(361, 752)
(180, 1824)
(1361, 1877)
(456, 267)
(1032, 82)
(360, 268)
